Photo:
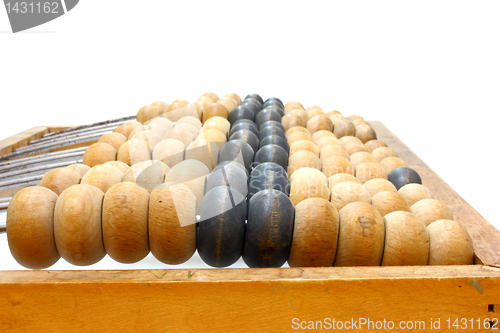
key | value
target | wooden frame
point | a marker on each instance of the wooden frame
(273, 300)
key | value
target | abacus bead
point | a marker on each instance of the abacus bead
(275, 140)
(229, 175)
(239, 151)
(268, 166)
(344, 127)
(369, 170)
(266, 115)
(255, 96)
(374, 144)
(274, 100)
(127, 128)
(81, 169)
(169, 151)
(213, 96)
(134, 151)
(431, 210)
(390, 163)
(117, 164)
(248, 137)
(237, 164)
(240, 112)
(272, 123)
(59, 179)
(147, 112)
(103, 177)
(415, 192)
(268, 179)
(274, 108)
(222, 227)
(99, 153)
(382, 152)
(194, 121)
(271, 130)
(244, 126)
(214, 110)
(340, 178)
(346, 192)
(268, 235)
(389, 201)
(365, 133)
(378, 185)
(114, 139)
(272, 153)
(30, 227)
(450, 244)
(402, 176)
(303, 145)
(252, 105)
(147, 175)
(303, 159)
(290, 120)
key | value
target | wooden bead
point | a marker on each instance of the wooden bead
(268, 179)
(331, 113)
(315, 234)
(335, 118)
(402, 176)
(313, 107)
(374, 144)
(30, 227)
(275, 140)
(147, 174)
(390, 163)
(247, 136)
(382, 152)
(235, 96)
(303, 159)
(415, 192)
(321, 134)
(172, 224)
(272, 153)
(346, 192)
(294, 129)
(191, 121)
(136, 130)
(271, 130)
(291, 120)
(103, 177)
(134, 151)
(149, 137)
(161, 105)
(361, 157)
(361, 236)
(114, 139)
(186, 126)
(228, 102)
(169, 151)
(120, 165)
(336, 164)
(229, 175)
(301, 145)
(430, 210)
(299, 113)
(201, 103)
(213, 96)
(203, 151)
(269, 229)
(353, 148)
(358, 122)
(125, 222)
(239, 151)
(99, 153)
(81, 169)
(309, 173)
(369, 170)
(127, 128)
(77, 225)
(318, 123)
(450, 244)
(340, 178)
(389, 201)
(294, 104)
(406, 240)
(378, 185)
(214, 110)
(333, 150)
(182, 134)
(147, 112)
(191, 173)
(344, 127)
(354, 116)
(213, 135)
(177, 104)
(327, 141)
(221, 230)
(365, 133)
(297, 136)
(59, 179)
(345, 140)
(304, 185)
(316, 112)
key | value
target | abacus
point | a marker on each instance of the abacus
(368, 230)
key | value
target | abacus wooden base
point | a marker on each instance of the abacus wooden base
(269, 300)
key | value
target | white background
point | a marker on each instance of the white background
(429, 70)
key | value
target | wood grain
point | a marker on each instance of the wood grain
(22, 139)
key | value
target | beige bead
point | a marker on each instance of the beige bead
(147, 112)
(333, 112)
(333, 150)
(169, 151)
(182, 134)
(172, 224)
(336, 164)
(147, 174)
(30, 227)
(103, 177)
(80, 169)
(214, 110)
(354, 116)
(365, 133)
(299, 113)
(358, 122)
(406, 240)
(308, 173)
(235, 96)
(161, 105)
(369, 170)
(218, 123)
(361, 157)
(228, 102)
(190, 120)
(203, 151)
(378, 185)
(389, 201)
(319, 123)
(430, 210)
(383, 152)
(77, 225)
(344, 127)
(390, 163)
(290, 120)
(450, 244)
(361, 236)
(294, 129)
(374, 144)
(354, 147)
(293, 104)
(99, 153)
(57, 180)
(134, 151)
(303, 159)
(304, 145)
(191, 128)
(313, 107)
(305, 183)
(201, 103)
(213, 96)
(177, 104)
(344, 193)
(297, 136)
(185, 111)
(321, 134)
(415, 192)
(335, 118)
(340, 178)
(348, 139)
(127, 128)
(158, 129)
(316, 112)
(214, 136)
(138, 129)
(114, 139)
(149, 137)
(120, 165)
(159, 121)
(327, 141)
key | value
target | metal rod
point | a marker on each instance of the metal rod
(36, 170)
(90, 125)
(42, 159)
(5, 199)
(36, 157)
(26, 181)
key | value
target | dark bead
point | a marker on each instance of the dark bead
(266, 115)
(240, 125)
(254, 106)
(240, 112)
(247, 136)
(271, 123)
(271, 130)
(275, 108)
(255, 96)
(275, 140)
(272, 153)
(402, 176)
(268, 166)
(235, 150)
(268, 179)
(230, 175)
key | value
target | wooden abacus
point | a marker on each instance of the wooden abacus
(248, 299)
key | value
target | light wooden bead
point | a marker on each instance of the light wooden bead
(383, 152)
(213, 135)
(302, 188)
(228, 102)
(117, 164)
(191, 128)
(177, 104)
(127, 128)
(185, 111)
(321, 134)
(450, 244)
(361, 157)
(158, 129)
(369, 170)
(235, 96)
(365, 133)
(290, 120)
(313, 107)
(358, 122)
(138, 129)
(335, 118)
(77, 225)
(344, 193)
(319, 123)
(336, 164)
(293, 104)
(59, 179)
(201, 103)
(300, 113)
(149, 137)
(190, 120)
(389, 201)
(169, 151)
(301, 145)
(309, 173)
(297, 129)
(103, 177)
(303, 159)
(361, 236)
(354, 116)
(99, 153)
(114, 139)
(161, 105)
(406, 240)
(332, 150)
(219, 123)
(160, 121)
(344, 141)
(182, 134)
(390, 163)
(81, 169)
(333, 112)
(297, 136)
(344, 127)
(327, 141)
(203, 151)
(213, 96)
(340, 178)
(214, 110)
(378, 185)
(415, 192)
(430, 210)
(30, 227)
(374, 144)
(315, 234)
(125, 222)
(172, 224)
(147, 174)
(147, 112)
(134, 151)
(316, 112)
(354, 147)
